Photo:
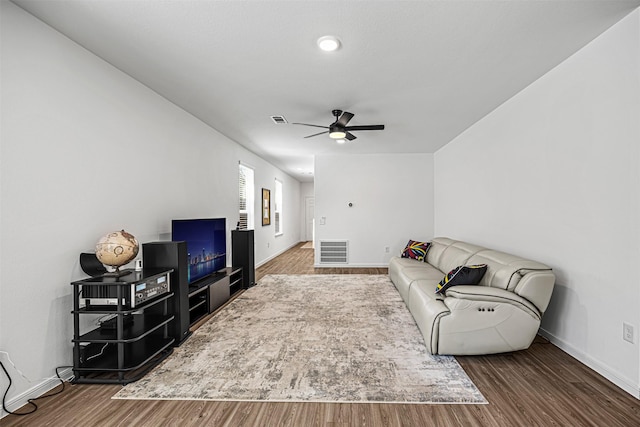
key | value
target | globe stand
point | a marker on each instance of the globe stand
(117, 273)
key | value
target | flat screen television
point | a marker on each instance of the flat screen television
(206, 245)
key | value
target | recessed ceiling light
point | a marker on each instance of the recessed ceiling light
(328, 43)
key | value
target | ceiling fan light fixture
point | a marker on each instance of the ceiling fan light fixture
(337, 134)
(328, 43)
(341, 141)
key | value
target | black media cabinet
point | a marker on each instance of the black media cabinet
(206, 295)
(136, 338)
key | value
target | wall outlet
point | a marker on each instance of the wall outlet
(627, 332)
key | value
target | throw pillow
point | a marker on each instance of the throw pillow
(416, 250)
(462, 275)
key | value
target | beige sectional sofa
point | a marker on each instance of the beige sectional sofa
(500, 314)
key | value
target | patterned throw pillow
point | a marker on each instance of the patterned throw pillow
(416, 250)
(462, 275)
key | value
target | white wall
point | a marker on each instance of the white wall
(554, 175)
(86, 150)
(392, 197)
(268, 245)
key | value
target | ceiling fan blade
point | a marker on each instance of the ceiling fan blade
(307, 124)
(344, 118)
(316, 134)
(365, 127)
(350, 136)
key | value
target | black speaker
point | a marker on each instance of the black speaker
(172, 255)
(243, 255)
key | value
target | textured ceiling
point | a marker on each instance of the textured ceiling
(426, 69)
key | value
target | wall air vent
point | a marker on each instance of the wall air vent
(334, 251)
(279, 120)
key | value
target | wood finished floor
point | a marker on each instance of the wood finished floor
(541, 386)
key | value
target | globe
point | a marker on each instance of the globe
(117, 249)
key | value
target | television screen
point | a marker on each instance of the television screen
(206, 245)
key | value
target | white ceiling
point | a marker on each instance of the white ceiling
(426, 69)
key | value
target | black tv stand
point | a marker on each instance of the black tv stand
(209, 293)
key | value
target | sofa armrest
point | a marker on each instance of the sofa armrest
(536, 286)
(487, 294)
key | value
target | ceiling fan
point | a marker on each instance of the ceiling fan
(339, 129)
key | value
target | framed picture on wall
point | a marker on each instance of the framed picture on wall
(266, 207)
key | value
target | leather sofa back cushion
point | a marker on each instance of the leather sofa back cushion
(438, 245)
(458, 253)
(503, 270)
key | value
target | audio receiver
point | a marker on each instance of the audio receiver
(133, 293)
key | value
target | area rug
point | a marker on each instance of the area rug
(309, 338)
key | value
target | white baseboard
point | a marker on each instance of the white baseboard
(351, 265)
(610, 374)
(22, 399)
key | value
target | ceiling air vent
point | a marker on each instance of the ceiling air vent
(279, 120)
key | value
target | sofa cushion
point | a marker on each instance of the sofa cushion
(462, 275)
(503, 268)
(415, 250)
(438, 246)
(458, 253)
(406, 271)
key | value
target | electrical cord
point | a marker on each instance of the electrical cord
(98, 354)
(32, 400)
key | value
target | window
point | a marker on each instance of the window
(277, 211)
(245, 183)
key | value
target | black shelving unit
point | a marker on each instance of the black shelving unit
(136, 340)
